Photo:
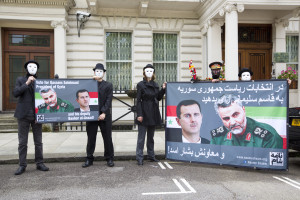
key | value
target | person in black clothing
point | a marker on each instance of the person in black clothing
(25, 113)
(105, 90)
(148, 115)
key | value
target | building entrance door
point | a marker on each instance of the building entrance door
(19, 47)
(258, 61)
(255, 49)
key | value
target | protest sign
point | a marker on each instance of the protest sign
(240, 123)
(66, 100)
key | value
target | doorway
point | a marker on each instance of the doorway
(21, 45)
(255, 49)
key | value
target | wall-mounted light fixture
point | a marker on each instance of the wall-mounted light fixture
(82, 17)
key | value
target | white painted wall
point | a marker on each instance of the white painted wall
(85, 51)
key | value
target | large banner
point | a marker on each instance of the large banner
(240, 123)
(66, 100)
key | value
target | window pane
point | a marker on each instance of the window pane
(292, 50)
(171, 72)
(158, 47)
(44, 70)
(165, 57)
(16, 69)
(29, 40)
(119, 74)
(112, 74)
(125, 76)
(125, 46)
(171, 47)
(159, 73)
(112, 46)
(118, 55)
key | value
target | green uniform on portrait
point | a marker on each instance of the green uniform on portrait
(257, 134)
(62, 106)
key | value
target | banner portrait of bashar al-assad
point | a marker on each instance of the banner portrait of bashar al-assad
(233, 123)
(66, 100)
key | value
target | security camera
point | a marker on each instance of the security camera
(82, 18)
(84, 14)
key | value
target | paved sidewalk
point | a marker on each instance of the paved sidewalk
(70, 146)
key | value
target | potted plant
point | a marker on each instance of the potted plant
(290, 74)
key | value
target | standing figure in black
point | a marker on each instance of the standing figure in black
(148, 115)
(105, 90)
(25, 113)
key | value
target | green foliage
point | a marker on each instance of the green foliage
(288, 74)
(46, 128)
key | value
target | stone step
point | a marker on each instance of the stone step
(9, 131)
(8, 125)
(8, 120)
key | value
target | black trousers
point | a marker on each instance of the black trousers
(106, 131)
(141, 141)
(23, 130)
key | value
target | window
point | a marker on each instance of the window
(29, 40)
(292, 50)
(118, 60)
(165, 57)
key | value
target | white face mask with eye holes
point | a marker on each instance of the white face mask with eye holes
(149, 72)
(32, 68)
(99, 73)
(246, 76)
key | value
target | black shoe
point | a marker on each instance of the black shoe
(42, 167)
(140, 162)
(20, 170)
(153, 159)
(87, 163)
(110, 163)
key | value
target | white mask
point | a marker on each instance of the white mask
(99, 73)
(32, 68)
(246, 76)
(149, 72)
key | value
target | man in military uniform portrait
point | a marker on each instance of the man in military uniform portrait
(239, 130)
(53, 103)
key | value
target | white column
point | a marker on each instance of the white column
(280, 43)
(204, 53)
(231, 39)
(1, 69)
(299, 61)
(60, 50)
(214, 42)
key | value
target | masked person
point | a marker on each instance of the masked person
(148, 115)
(216, 68)
(105, 90)
(25, 113)
(245, 74)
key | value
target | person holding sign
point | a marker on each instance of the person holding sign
(245, 74)
(239, 130)
(189, 117)
(105, 90)
(148, 115)
(25, 113)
